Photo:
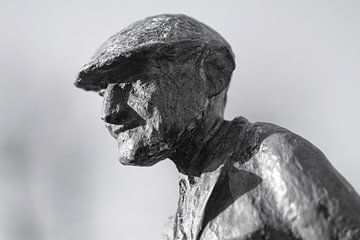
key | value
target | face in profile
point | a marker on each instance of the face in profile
(152, 75)
(149, 112)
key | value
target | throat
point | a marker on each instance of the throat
(198, 151)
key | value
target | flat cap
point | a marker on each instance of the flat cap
(130, 46)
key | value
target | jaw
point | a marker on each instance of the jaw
(140, 162)
(141, 158)
(137, 148)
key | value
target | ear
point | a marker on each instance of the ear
(218, 65)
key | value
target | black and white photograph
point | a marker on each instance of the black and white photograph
(180, 120)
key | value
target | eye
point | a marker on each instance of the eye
(101, 92)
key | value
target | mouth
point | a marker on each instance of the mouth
(115, 130)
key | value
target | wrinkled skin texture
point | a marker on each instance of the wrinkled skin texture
(146, 118)
(164, 81)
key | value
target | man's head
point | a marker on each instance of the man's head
(159, 78)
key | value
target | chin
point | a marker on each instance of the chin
(140, 147)
(131, 153)
(137, 162)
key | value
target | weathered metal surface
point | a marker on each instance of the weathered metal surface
(164, 81)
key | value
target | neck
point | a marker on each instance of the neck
(193, 152)
(191, 156)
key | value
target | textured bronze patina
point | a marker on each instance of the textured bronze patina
(164, 81)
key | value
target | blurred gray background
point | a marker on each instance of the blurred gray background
(297, 66)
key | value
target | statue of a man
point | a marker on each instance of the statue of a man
(164, 81)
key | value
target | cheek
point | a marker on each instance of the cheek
(168, 108)
(140, 98)
(185, 105)
(146, 100)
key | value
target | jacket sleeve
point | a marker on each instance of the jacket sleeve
(313, 199)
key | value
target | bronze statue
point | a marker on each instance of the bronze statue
(164, 81)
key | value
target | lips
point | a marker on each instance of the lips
(115, 130)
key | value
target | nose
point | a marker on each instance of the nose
(115, 109)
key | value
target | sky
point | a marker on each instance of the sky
(297, 66)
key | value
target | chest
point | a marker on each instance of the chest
(222, 204)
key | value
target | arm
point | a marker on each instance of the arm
(313, 199)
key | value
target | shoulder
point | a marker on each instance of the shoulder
(265, 136)
(302, 183)
(258, 132)
(272, 137)
(272, 143)
(284, 145)
(271, 149)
